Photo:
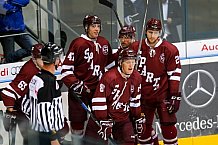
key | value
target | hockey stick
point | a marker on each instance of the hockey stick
(90, 113)
(160, 7)
(1, 138)
(143, 27)
(142, 33)
(0, 94)
(12, 131)
(110, 5)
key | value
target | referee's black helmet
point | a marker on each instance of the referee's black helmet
(51, 52)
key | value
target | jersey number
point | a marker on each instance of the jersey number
(177, 59)
(22, 85)
(71, 56)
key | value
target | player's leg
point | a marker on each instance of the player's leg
(123, 133)
(146, 138)
(168, 128)
(77, 118)
(23, 124)
(91, 137)
(154, 137)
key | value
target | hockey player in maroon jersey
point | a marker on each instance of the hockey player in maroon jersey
(117, 102)
(160, 69)
(82, 68)
(13, 94)
(126, 38)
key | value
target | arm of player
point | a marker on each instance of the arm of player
(99, 107)
(99, 102)
(174, 74)
(173, 67)
(135, 99)
(8, 96)
(68, 72)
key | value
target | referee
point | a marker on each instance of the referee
(46, 108)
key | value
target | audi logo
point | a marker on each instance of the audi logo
(15, 70)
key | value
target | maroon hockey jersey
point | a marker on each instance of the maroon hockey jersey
(86, 60)
(115, 97)
(18, 88)
(160, 70)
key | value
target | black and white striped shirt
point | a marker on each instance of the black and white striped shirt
(46, 107)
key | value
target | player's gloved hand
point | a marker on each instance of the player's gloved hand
(80, 88)
(9, 120)
(60, 83)
(106, 128)
(140, 125)
(53, 135)
(173, 104)
(128, 20)
(131, 19)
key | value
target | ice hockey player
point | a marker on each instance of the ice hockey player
(116, 103)
(82, 68)
(14, 93)
(160, 68)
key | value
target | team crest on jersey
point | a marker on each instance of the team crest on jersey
(162, 58)
(132, 88)
(105, 49)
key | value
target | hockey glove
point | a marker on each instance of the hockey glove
(106, 128)
(131, 19)
(140, 125)
(173, 104)
(9, 120)
(53, 135)
(79, 88)
(128, 20)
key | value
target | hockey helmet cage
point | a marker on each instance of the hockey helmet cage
(90, 19)
(51, 52)
(36, 50)
(127, 30)
(154, 24)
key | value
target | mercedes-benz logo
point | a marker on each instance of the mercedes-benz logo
(199, 88)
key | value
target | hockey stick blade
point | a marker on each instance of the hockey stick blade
(110, 5)
(106, 3)
(113, 142)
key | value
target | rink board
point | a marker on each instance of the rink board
(201, 140)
